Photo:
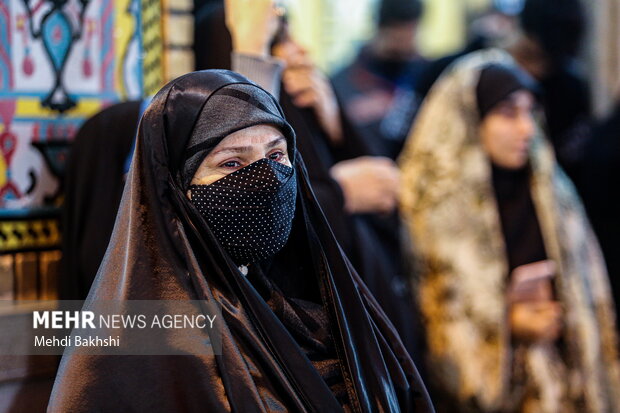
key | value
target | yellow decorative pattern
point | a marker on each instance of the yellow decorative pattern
(3, 170)
(152, 46)
(124, 30)
(31, 108)
(28, 234)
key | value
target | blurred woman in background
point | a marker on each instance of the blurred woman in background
(511, 281)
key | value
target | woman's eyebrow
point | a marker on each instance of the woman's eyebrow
(242, 149)
(275, 142)
(233, 149)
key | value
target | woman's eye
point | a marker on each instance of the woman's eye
(230, 164)
(277, 156)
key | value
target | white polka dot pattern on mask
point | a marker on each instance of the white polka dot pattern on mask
(251, 210)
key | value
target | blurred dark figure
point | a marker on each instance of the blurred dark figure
(212, 42)
(378, 89)
(94, 185)
(553, 31)
(490, 29)
(599, 188)
(546, 47)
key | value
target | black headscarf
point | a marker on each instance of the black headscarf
(161, 248)
(497, 82)
(231, 109)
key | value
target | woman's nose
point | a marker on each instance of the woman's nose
(526, 126)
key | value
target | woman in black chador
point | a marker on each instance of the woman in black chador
(218, 207)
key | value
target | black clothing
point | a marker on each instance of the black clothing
(212, 41)
(161, 248)
(520, 227)
(568, 112)
(599, 187)
(93, 188)
(372, 242)
(307, 321)
(380, 100)
(395, 12)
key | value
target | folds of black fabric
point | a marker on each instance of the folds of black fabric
(162, 249)
(598, 187)
(370, 241)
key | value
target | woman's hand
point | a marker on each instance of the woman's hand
(309, 87)
(369, 183)
(536, 321)
(252, 25)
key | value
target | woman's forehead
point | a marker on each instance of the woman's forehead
(522, 95)
(519, 98)
(254, 135)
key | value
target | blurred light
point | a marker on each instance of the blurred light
(509, 7)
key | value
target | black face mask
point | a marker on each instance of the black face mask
(251, 210)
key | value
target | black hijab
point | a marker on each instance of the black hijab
(161, 248)
(497, 82)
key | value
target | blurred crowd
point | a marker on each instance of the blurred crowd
(475, 194)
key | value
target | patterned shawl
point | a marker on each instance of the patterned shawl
(451, 212)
